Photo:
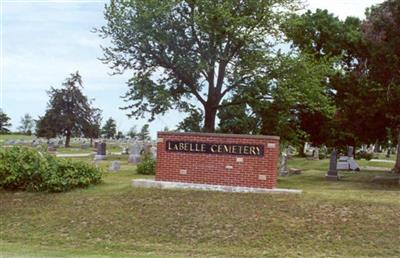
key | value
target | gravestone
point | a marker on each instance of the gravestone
(135, 153)
(332, 174)
(316, 153)
(101, 151)
(125, 151)
(350, 151)
(283, 169)
(388, 152)
(85, 146)
(51, 147)
(348, 162)
(115, 166)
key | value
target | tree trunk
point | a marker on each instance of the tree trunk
(209, 121)
(396, 168)
(301, 149)
(67, 139)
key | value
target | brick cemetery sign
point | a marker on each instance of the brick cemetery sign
(217, 159)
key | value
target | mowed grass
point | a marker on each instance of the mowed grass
(351, 218)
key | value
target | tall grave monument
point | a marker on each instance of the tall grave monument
(332, 174)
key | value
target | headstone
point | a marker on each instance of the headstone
(350, 151)
(332, 174)
(135, 153)
(348, 162)
(85, 146)
(283, 169)
(101, 151)
(316, 153)
(115, 166)
(388, 152)
(125, 151)
(51, 147)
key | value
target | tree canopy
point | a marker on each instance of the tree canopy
(109, 129)
(69, 112)
(185, 53)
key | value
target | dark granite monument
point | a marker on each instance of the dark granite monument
(332, 174)
(101, 151)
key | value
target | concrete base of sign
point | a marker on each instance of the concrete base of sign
(146, 183)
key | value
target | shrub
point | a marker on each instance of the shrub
(364, 155)
(147, 165)
(30, 170)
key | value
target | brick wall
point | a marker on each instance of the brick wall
(218, 169)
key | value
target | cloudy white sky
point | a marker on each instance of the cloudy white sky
(43, 41)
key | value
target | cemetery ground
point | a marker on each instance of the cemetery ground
(351, 218)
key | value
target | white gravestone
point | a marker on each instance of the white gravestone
(136, 151)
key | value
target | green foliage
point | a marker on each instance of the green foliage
(109, 129)
(69, 112)
(4, 122)
(272, 106)
(238, 119)
(364, 155)
(28, 170)
(147, 165)
(204, 49)
(193, 122)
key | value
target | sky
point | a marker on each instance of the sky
(43, 41)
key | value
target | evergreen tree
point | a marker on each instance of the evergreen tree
(109, 129)
(4, 122)
(69, 112)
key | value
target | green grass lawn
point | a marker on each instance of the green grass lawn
(350, 218)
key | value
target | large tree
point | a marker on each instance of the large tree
(323, 35)
(27, 124)
(382, 35)
(69, 112)
(272, 105)
(4, 122)
(180, 50)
